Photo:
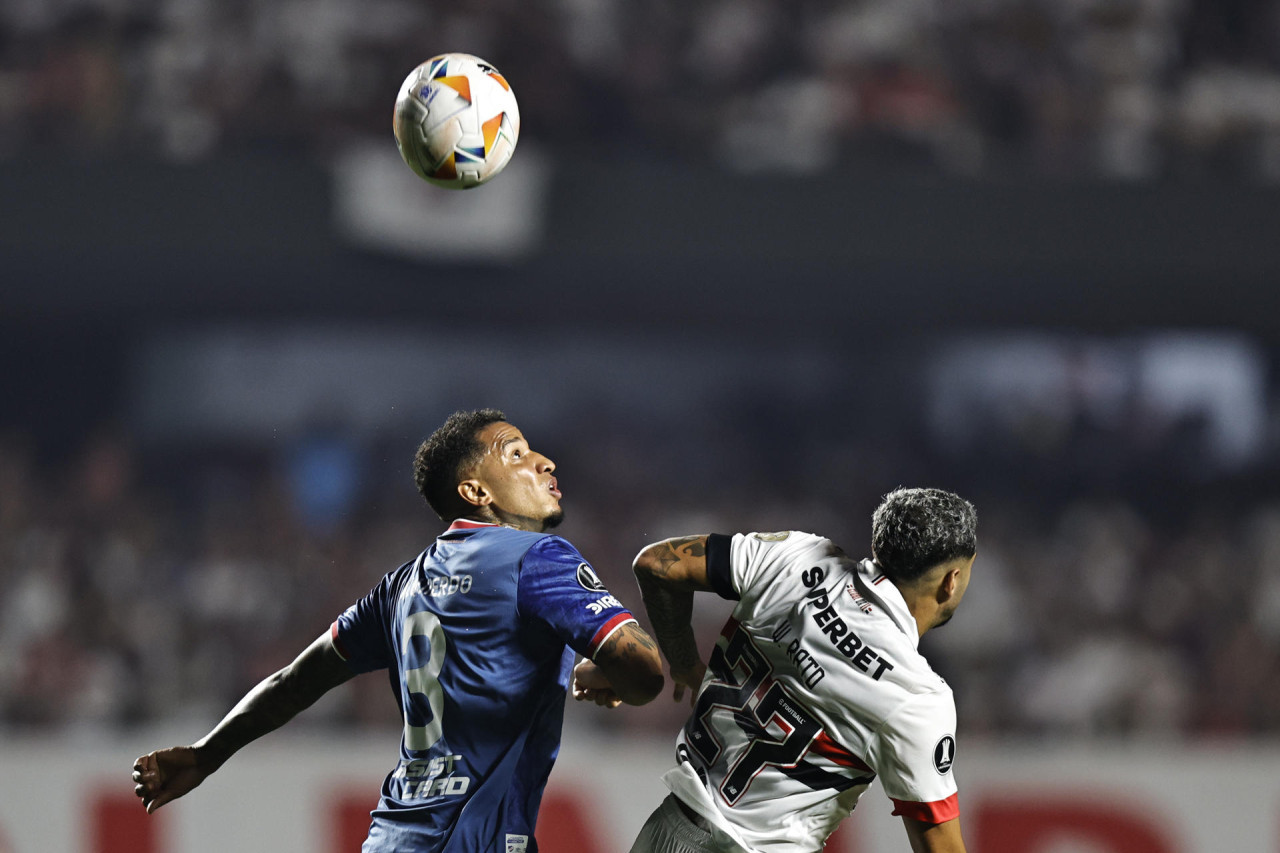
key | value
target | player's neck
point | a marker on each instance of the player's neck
(918, 608)
(486, 515)
(922, 604)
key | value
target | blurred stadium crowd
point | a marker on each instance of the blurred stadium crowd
(1120, 589)
(142, 587)
(1128, 89)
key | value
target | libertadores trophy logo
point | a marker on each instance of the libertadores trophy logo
(588, 579)
(944, 754)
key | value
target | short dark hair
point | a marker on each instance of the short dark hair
(441, 459)
(914, 530)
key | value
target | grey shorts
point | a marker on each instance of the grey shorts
(671, 830)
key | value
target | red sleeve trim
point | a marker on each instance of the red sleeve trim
(606, 630)
(940, 811)
(337, 644)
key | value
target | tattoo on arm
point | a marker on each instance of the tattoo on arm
(643, 640)
(627, 641)
(669, 576)
(678, 549)
(671, 612)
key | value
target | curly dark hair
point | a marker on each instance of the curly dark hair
(914, 530)
(441, 459)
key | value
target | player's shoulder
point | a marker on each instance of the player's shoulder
(549, 549)
(913, 678)
(786, 544)
(780, 537)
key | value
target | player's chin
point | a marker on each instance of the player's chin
(553, 519)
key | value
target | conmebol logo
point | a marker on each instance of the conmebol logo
(588, 578)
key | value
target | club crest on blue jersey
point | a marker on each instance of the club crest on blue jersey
(588, 579)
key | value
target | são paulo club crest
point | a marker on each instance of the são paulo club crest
(588, 579)
(944, 755)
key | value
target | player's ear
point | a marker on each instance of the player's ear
(949, 585)
(473, 492)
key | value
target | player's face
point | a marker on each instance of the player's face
(515, 481)
(964, 568)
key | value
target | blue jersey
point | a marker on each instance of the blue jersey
(478, 634)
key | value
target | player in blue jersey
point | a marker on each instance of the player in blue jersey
(479, 633)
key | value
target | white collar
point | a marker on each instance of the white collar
(875, 583)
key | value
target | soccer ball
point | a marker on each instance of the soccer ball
(456, 121)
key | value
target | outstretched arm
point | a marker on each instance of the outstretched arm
(934, 837)
(167, 774)
(669, 573)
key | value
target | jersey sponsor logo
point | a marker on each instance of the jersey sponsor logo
(603, 603)
(772, 537)
(588, 579)
(517, 843)
(431, 777)
(944, 755)
(837, 631)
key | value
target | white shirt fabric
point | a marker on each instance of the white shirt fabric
(816, 687)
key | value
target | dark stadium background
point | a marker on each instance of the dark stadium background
(752, 266)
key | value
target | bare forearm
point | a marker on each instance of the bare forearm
(164, 775)
(629, 660)
(934, 838)
(669, 573)
(671, 615)
(275, 700)
(265, 708)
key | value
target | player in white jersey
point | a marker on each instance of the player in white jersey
(816, 685)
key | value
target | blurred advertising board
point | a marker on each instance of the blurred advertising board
(313, 794)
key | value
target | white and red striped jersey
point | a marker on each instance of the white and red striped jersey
(816, 687)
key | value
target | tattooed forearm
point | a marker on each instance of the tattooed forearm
(671, 611)
(669, 573)
(629, 660)
(639, 639)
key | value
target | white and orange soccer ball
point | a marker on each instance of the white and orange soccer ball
(456, 121)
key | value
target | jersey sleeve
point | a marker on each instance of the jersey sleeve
(361, 634)
(755, 559)
(720, 565)
(560, 588)
(915, 752)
